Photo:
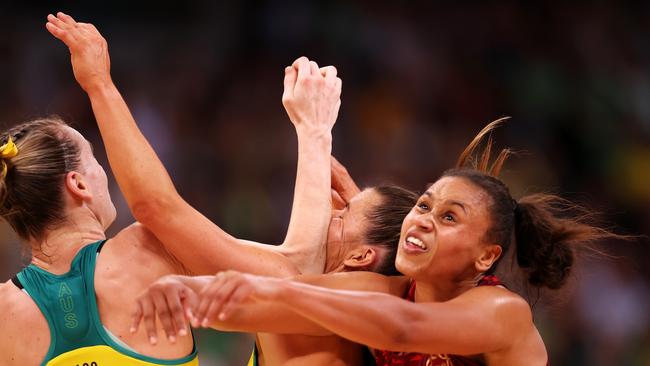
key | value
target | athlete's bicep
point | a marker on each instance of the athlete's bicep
(480, 321)
(204, 248)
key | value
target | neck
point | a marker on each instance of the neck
(443, 290)
(55, 251)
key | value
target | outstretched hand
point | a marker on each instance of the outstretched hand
(88, 50)
(227, 291)
(172, 300)
(311, 95)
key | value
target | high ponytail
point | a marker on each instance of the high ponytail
(547, 230)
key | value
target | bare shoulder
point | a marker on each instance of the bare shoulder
(16, 305)
(359, 281)
(17, 313)
(136, 235)
(509, 315)
(506, 306)
(11, 299)
(136, 242)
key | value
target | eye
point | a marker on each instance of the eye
(449, 217)
(423, 206)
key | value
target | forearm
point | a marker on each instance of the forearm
(137, 169)
(269, 318)
(382, 321)
(311, 210)
(374, 319)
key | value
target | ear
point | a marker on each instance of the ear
(77, 187)
(490, 254)
(361, 258)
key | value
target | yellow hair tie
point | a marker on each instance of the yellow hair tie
(8, 150)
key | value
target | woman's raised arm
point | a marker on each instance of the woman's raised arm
(200, 245)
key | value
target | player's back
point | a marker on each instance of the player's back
(38, 307)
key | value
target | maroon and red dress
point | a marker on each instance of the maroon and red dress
(390, 358)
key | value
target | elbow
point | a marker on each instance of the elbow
(399, 337)
(401, 333)
(149, 210)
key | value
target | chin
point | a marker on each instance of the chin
(111, 218)
(405, 268)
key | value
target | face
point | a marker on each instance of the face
(347, 227)
(442, 236)
(95, 178)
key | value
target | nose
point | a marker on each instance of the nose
(424, 222)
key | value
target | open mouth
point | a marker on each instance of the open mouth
(413, 244)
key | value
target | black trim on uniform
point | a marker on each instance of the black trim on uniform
(99, 248)
(16, 282)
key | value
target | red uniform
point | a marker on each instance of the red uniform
(389, 358)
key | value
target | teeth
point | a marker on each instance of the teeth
(417, 242)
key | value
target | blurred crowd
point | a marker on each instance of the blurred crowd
(204, 81)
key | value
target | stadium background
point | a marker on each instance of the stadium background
(204, 80)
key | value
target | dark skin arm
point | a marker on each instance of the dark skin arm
(176, 299)
(381, 320)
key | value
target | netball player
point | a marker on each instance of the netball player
(199, 246)
(454, 310)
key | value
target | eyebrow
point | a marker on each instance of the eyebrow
(457, 203)
(448, 202)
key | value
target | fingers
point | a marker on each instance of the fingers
(329, 72)
(290, 77)
(303, 67)
(61, 30)
(65, 18)
(57, 22)
(164, 315)
(163, 299)
(56, 32)
(136, 318)
(177, 317)
(216, 295)
(238, 296)
(314, 70)
(205, 302)
(342, 182)
(338, 203)
(190, 301)
(149, 316)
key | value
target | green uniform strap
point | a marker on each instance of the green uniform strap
(69, 305)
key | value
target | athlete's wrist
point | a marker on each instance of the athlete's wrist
(101, 88)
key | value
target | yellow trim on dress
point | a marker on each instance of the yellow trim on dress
(106, 356)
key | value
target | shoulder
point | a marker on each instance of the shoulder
(138, 242)
(506, 307)
(136, 235)
(359, 281)
(11, 297)
(17, 313)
